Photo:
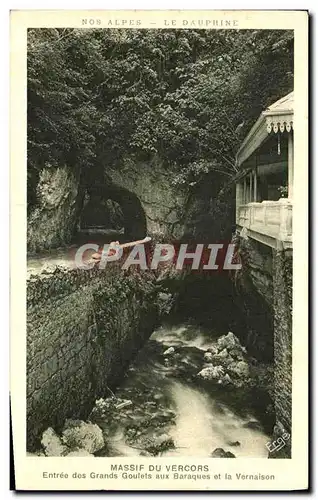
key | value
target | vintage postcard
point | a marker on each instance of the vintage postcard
(159, 176)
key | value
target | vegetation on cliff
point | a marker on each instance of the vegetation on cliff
(187, 96)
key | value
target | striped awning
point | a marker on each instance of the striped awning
(276, 118)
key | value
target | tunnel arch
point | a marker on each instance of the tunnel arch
(126, 207)
(101, 213)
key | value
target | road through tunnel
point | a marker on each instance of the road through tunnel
(113, 211)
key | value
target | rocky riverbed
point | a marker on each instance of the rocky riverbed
(189, 392)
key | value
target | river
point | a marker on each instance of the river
(161, 406)
(172, 412)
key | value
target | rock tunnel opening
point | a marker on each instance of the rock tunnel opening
(114, 212)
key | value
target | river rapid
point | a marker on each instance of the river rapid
(163, 408)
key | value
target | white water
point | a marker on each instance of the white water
(203, 422)
(181, 335)
(200, 427)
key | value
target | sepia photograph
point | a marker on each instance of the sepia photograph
(159, 301)
(178, 136)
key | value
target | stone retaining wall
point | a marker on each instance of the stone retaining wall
(83, 327)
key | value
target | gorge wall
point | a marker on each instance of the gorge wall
(173, 209)
(265, 293)
(163, 203)
(52, 220)
(283, 293)
(147, 194)
(83, 327)
(142, 189)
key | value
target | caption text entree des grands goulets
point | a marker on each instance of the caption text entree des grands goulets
(159, 472)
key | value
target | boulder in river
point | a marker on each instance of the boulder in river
(227, 379)
(237, 353)
(211, 372)
(208, 357)
(212, 350)
(228, 341)
(169, 351)
(234, 443)
(223, 354)
(79, 434)
(220, 453)
(52, 444)
(123, 404)
(239, 368)
(222, 359)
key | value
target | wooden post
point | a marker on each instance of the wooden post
(290, 165)
(239, 200)
(250, 197)
(255, 185)
(244, 191)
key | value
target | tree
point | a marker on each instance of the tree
(188, 96)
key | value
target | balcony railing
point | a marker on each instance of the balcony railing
(268, 218)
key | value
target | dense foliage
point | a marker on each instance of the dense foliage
(188, 96)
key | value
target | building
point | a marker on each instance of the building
(264, 204)
(264, 192)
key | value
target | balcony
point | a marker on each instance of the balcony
(269, 222)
